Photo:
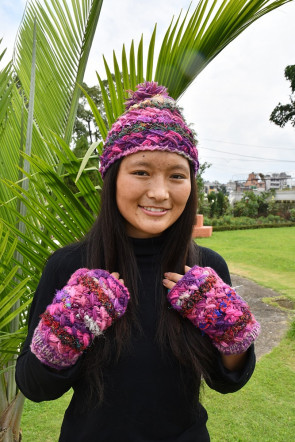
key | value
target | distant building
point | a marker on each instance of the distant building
(278, 181)
(231, 186)
(257, 182)
(254, 181)
(211, 187)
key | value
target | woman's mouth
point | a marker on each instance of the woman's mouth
(156, 211)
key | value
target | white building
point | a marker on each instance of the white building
(278, 181)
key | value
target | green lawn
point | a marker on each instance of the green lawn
(264, 410)
(267, 256)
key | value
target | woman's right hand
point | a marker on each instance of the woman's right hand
(88, 304)
(117, 276)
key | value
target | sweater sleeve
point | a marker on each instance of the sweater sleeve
(36, 381)
(223, 380)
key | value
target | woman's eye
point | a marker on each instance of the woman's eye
(178, 176)
(140, 173)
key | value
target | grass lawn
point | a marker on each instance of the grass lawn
(264, 410)
(267, 256)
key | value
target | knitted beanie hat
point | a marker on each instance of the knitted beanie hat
(152, 121)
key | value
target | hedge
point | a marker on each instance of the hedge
(253, 226)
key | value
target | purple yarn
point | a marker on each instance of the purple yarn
(215, 308)
(90, 302)
(144, 91)
(152, 121)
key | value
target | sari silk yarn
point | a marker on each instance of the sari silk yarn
(86, 306)
(216, 309)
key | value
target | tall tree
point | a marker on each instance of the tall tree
(85, 125)
(285, 113)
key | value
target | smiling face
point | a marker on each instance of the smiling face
(152, 191)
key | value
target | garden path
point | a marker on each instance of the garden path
(274, 321)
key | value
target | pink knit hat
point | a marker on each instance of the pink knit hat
(152, 121)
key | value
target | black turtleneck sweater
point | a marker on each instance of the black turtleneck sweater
(148, 395)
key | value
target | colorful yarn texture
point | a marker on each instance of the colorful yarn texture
(152, 121)
(90, 302)
(216, 309)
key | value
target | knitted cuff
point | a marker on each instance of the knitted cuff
(90, 302)
(215, 307)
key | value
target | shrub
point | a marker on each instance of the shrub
(243, 222)
(292, 215)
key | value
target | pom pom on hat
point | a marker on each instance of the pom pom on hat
(145, 90)
(152, 122)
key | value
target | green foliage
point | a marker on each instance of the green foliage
(252, 226)
(292, 215)
(14, 287)
(216, 205)
(254, 205)
(285, 113)
(86, 129)
(56, 217)
(188, 47)
(64, 37)
(244, 221)
(200, 185)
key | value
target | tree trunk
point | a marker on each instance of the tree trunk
(10, 420)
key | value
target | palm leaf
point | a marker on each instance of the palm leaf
(55, 216)
(65, 33)
(188, 47)
(212, 26)
(13, 288)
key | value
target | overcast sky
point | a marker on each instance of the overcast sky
(230, 102)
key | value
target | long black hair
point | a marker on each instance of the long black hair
(109, 247)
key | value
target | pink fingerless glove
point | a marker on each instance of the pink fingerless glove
(214, 307)
(90, 302)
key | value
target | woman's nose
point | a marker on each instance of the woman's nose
(158, 190)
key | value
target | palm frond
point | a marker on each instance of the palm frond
(13, 288)
(65, 34)
(189, 45)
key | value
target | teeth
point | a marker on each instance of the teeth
(154, 209)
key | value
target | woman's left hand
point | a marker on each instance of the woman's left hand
(232, 362)
(170, 278)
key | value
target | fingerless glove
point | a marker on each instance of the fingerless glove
(90, 302)
(216, 309)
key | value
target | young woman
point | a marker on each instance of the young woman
(136, 315)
